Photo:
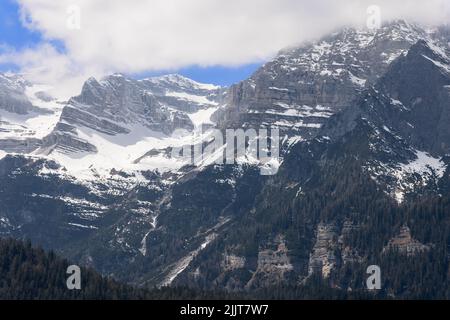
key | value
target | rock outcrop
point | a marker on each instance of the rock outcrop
(405, 243)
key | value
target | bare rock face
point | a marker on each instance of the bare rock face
(65, 140)
(117, 105)
(405, 243)
(117, 101)
(302, 87)
(19, 145)
(323, 256)
(331, 248)
(232, 262)
(274, 266)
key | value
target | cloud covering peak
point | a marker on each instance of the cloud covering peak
(134, 36)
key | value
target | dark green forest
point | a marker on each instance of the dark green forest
(29, 273)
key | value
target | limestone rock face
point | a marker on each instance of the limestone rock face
(117, 105)
(232, 262)
(302, 87)
(273, 266)
(323, 255)
(405, 243)
(331, 248)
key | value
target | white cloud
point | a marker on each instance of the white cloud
(44, 64)
(146, 35)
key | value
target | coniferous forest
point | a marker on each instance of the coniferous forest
(29, 273)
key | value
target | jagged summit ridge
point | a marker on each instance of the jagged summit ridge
(303, 86)
(117, 105)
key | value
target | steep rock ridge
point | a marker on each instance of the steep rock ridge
(112, 107)
(139, 121)
(441, 35)
(326, 240)
(409, 112)
(373, 132)
(401, 118)
(302, 87)
(419, 84)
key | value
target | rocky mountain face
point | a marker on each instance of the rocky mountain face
(66, 164)
(306, 85)
(364, 177)
(26, 114)
(117, 105)
(362, 192)
(419, 85)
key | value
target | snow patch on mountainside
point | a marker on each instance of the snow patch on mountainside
(115, 152)
(191, 97)
(31, 125)
(38, 122)
(425, 166)
(111, 148)
(182, 82)
(414, 176)
(120, 152)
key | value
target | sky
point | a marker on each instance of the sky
(64, 42)
(17, 37)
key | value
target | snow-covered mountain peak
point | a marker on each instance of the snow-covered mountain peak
(114, 115)
(304, 85)
(297, 92)
(13, 81)
(355, 46)
(130, 119)
(182, 82)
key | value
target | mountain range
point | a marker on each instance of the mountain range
(363, 174)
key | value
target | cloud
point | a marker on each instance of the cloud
(43, 64)
(137, 36)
